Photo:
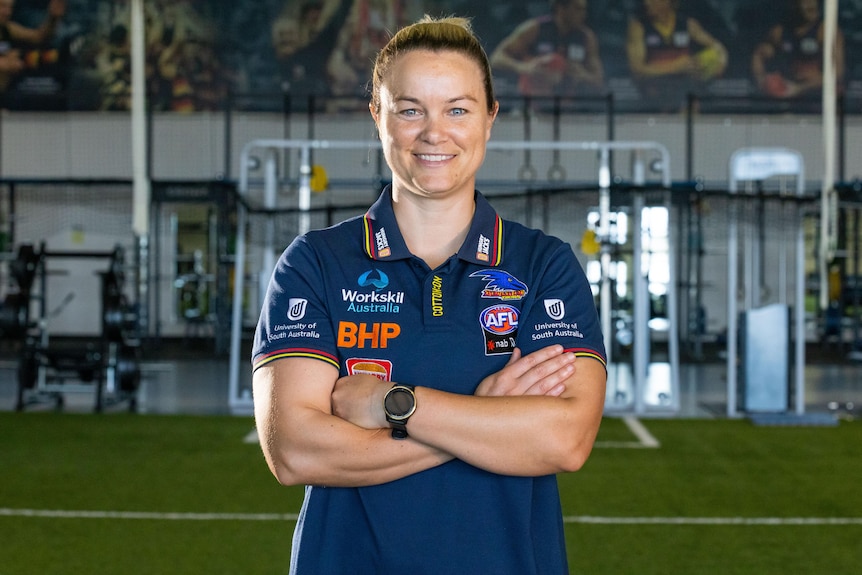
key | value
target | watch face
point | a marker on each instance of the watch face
(399, 403)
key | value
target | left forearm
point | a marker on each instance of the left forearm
(524, 435)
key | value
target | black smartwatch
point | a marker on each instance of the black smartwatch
(399, 404)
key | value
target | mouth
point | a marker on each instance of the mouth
(434, 157)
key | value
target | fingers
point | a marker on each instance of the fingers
(516, 355)
(539, 373)
(534, 360)
(548, 377)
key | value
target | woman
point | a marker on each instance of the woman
(427, 368)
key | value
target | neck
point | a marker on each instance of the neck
(433, 230)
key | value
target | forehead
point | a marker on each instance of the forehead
(439, 65)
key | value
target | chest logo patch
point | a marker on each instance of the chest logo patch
(500, 327)
(379, 368)
(500, 284)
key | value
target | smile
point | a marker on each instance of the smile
(434, 157)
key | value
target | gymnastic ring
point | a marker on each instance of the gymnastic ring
(527, 174)
(556, 173)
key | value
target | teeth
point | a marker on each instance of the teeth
(433, 157)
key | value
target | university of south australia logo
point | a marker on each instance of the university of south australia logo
(296, 307)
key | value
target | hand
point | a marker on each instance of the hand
(359, 400)
(542, 372)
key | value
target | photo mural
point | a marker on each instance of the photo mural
(649, 54)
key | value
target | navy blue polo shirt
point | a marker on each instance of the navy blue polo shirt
(353, 295)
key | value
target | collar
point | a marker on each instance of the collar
(383, 240)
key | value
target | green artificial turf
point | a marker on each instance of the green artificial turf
(185, 465)
(720, 470)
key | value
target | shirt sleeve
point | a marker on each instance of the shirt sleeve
(562, 310)
(294, 319)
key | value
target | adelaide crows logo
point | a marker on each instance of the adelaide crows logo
(501, 285)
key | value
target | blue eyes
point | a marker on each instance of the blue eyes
(414, 112)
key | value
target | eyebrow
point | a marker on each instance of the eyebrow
(449, 101)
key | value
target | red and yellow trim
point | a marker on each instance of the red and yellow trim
(295, 352)
(369, 237)
(581, 352)
(497, 245)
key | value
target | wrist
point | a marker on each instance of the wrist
(399, 404)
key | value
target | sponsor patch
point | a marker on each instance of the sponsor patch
(379, 368)
(375, 278)
(500, 327)
(367, 335)
(483, 250)
(377, 301)
(555, 308)
(437, 296)
(382, 243)
(296, 307)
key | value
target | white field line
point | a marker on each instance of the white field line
(715, 520)
(71, 514)
(776, 521)
(645, 439)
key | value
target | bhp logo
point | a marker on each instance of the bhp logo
(367, 335)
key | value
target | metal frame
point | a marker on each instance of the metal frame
(752, 165)
(243, 403)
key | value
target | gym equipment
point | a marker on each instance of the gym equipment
(107, 365)
(626, 391)
(757, 165)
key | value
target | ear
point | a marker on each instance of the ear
(492, 116)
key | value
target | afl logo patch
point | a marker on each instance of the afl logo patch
(499, 319)
(500, 327)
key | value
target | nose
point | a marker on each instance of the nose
(433, 130)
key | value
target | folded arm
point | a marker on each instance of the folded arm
(304, 443)
(539, 415)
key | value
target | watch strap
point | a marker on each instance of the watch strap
(399, 424)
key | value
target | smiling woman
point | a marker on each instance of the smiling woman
(433, 127)
(426, 415)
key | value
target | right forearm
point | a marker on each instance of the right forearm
(344, 456)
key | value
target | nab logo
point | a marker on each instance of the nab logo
(499, 319)
(367, 335)
(375, 278)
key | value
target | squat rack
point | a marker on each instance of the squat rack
(240, 399)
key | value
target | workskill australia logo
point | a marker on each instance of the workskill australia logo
(375, 301)
(501, 285)
(500, 327)
(373, 278)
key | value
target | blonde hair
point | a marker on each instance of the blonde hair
(436, 34)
